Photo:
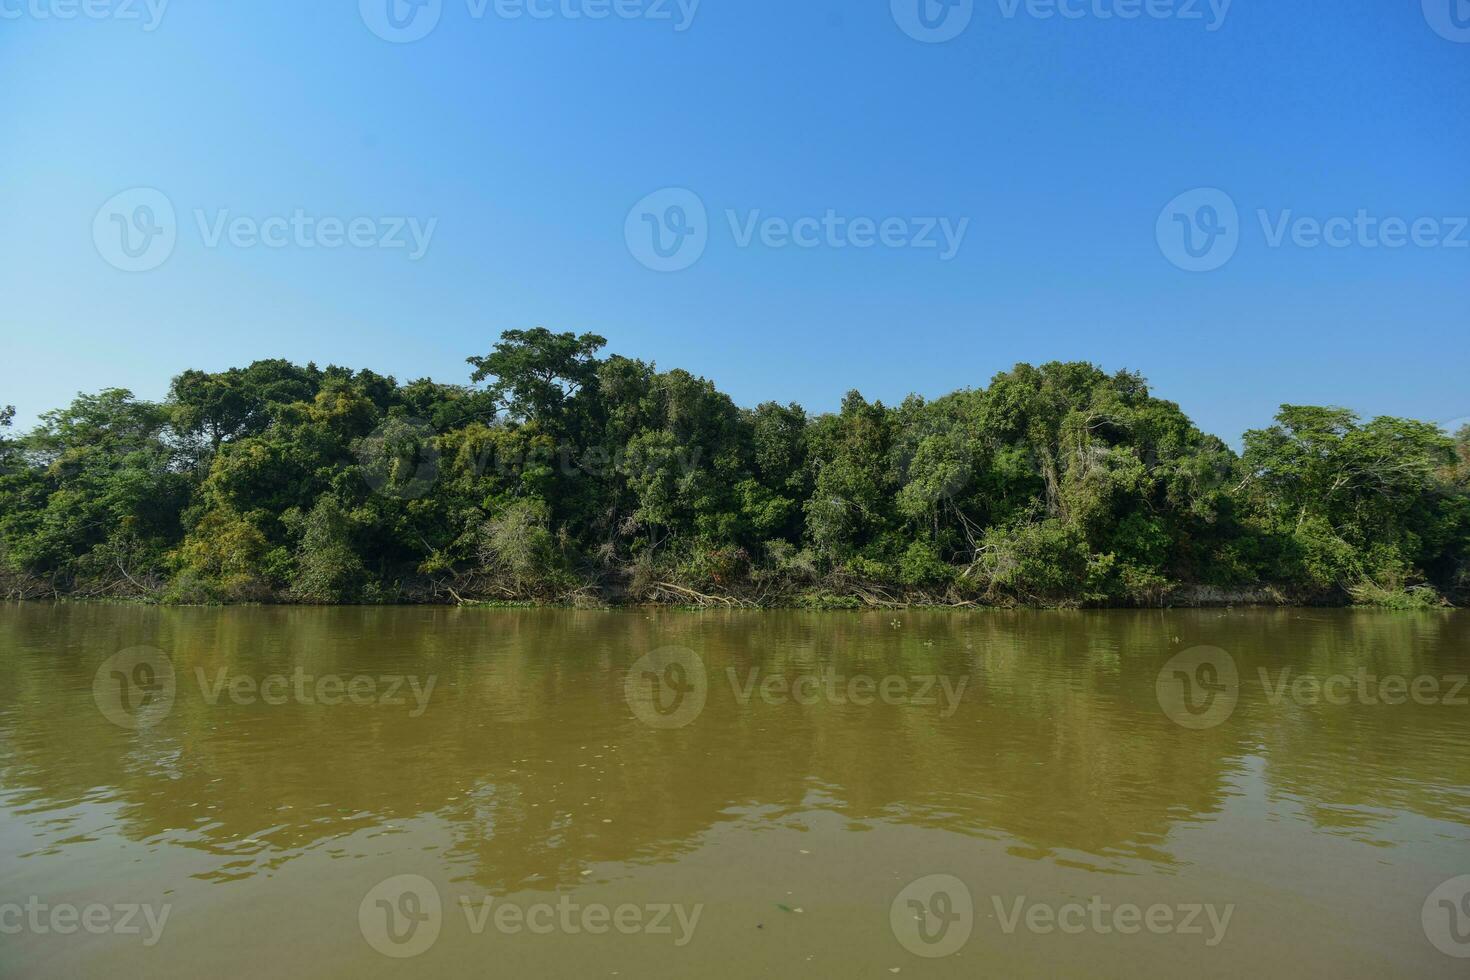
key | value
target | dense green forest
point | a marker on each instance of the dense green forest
(561, 474)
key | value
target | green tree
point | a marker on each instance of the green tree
(538, 374)
(571, 474)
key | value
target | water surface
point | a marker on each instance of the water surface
(507, 755)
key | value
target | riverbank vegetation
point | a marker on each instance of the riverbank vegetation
(559, 473)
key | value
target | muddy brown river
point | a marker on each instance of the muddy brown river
(355, 792)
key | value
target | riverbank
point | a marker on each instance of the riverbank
(1195, 597)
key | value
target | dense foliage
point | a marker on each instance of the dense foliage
(561, 474)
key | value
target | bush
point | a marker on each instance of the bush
(516, 547)
(921, 566)
(1045, 562)
(328, 570)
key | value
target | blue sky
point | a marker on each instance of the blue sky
(521, 145)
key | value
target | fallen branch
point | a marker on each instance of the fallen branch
(699, 597)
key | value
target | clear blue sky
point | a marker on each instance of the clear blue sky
(1061, 140)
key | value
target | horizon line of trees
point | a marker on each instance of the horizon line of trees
(561, 474)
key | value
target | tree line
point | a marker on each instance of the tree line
(561, 474)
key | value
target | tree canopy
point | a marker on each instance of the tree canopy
(561, 473)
